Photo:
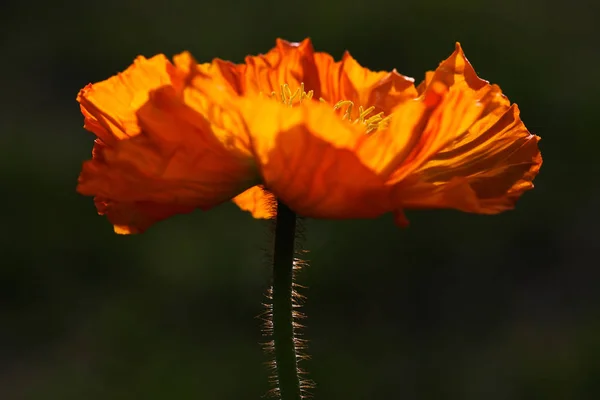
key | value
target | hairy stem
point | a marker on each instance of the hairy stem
(286, 365)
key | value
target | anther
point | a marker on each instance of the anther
(372, 123)
(364, 113)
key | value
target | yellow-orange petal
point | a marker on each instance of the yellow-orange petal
(482, 168)
(287, 63)
(219, 71)
(178, 160)
(257, 201)
(225, 122)
(348, 80)
(418, 129)
(456, 69)
(109, 106)
(484, 172)
(308, 160)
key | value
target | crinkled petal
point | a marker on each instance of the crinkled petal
(224, 73)
(185, 155)
(348, 80)
(483, 167)
(456, 69)
(308, 160)
(450, 113)
(485, 172)
(418, 129)
(109, 106)
(287, 63)
(258, 201)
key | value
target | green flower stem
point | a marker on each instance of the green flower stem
(286, 365)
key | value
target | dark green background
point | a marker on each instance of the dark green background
(457, 306)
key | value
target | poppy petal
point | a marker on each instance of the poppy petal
(481, 168)
(258, 201)
(287, 63)
(418, 129)
(455, 69)
(178, 160)
(221, 72)
(307, 157)
(348, 80)
(109, 106)
(485, 171)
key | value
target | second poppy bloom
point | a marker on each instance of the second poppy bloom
(329, 139)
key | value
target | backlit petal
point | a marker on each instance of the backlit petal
(109, 106)
(484, 168)
(308, 159)
(287, 63)
(348, 80)
(484, 172)
(222, 72)
(451, 111)
(456, 69)
(176, 161)
(258, 201)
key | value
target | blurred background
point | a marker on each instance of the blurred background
(456, 307)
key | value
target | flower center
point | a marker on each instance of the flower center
(371, 122)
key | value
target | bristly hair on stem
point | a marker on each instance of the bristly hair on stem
(281, 319)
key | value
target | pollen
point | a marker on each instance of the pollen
(371, 122)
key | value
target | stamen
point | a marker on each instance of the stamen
(374, 119)
(303, 94)
(372, 123)
(282, 87)
(348, 114)
(364, 113)
(288, 98)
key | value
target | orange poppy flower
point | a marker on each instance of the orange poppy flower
(329, 139)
